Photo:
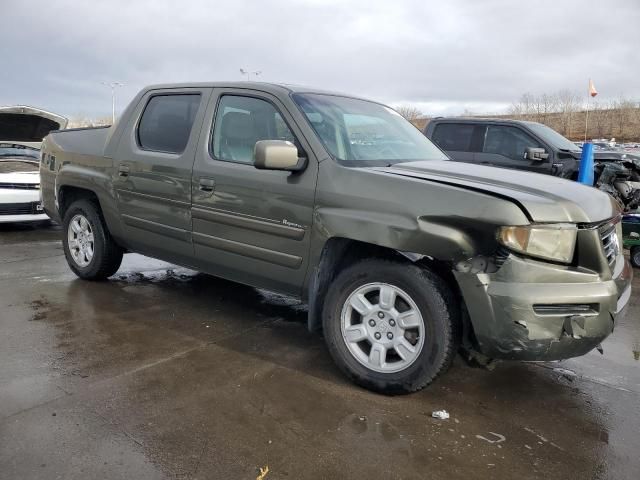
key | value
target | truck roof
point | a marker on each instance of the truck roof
(483, 120)
(264, 86)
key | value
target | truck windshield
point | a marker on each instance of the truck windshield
(359, 133)
(552, 137)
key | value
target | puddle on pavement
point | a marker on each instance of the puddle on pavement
(100, 329)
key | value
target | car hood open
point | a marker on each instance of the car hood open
(542, 197)
(28, 125)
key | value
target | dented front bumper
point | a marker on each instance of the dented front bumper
(532, 310)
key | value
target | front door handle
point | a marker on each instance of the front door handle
(206, 185)
(123, 170)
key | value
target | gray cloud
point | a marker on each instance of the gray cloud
(443, 56)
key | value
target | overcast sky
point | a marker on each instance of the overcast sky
(444, 56)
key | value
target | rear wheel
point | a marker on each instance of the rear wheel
(390, 326)
(635, 256)
(90, 251)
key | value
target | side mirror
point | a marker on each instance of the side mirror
(277, 155)
(535, 154)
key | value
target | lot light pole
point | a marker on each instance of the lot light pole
(248, 73)
(113, 86)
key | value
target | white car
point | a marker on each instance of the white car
(21, 132)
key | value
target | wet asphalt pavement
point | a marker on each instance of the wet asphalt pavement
(162, 372)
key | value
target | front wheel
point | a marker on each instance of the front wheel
(635, 256)
(90, 251)
(390, 326)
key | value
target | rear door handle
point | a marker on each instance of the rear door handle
(123, 170)
(206, 185)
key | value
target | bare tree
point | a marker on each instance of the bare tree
(623, 113)
(600, 120)
(566, 112)
(82, 121)
(568, 103)
(525, 107)
(409, 112)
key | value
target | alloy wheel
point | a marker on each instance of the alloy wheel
(382, 327)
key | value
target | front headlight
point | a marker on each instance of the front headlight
(553, 241)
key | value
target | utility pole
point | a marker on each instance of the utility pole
(113, 86)
(592, 92)
(248, 73)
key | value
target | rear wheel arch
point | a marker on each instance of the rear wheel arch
(67, 194)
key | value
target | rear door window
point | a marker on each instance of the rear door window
(166, 122)
(510, 142)
(454, 137)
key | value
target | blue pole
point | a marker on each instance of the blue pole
(585, 174)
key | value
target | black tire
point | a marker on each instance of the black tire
(635, 256)
(436, 304)
(107, 254)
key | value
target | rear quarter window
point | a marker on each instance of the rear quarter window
(166, 122)
(453, 136)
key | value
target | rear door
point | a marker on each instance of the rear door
(505, 145)
(456, 139)
(251, 226)
(153, 167)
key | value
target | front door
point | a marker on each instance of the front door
(152, 172)
(249, 225)
(504, 146)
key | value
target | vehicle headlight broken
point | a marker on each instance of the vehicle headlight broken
(555, 241)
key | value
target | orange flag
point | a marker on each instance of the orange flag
(592, 89)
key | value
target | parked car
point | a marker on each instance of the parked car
(535, 147)
(631, 237)
(21, 132)
(400, 253)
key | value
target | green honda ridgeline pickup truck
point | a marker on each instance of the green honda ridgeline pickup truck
(402, 255)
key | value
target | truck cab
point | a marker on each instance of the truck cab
(503, 143)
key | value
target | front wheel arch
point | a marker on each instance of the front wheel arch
(339, 253)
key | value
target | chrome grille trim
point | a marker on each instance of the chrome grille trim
(610, 242)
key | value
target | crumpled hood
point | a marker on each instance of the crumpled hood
(543, 197)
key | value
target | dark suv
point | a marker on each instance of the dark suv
(534, 147)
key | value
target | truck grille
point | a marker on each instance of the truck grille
(31, 208)
(610, 242)
(20, 186)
